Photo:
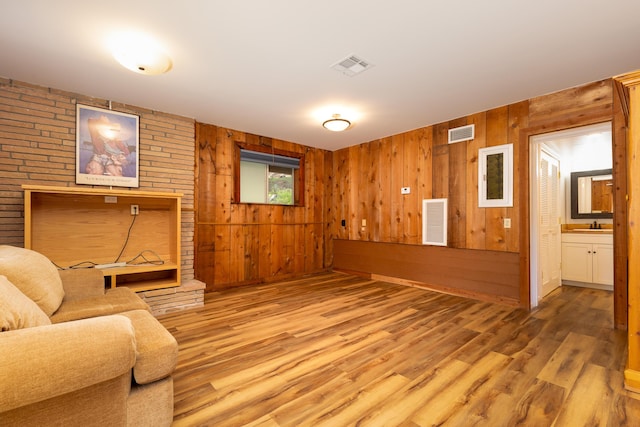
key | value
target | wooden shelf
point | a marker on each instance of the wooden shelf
(143, 277)
(73, 225)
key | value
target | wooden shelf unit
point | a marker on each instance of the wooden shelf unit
(76, 226)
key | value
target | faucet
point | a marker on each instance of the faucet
(594, 225)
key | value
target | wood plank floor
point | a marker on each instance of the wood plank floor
(337, 350)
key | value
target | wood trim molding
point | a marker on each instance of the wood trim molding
(632, 373)
(629, 79)
(632, 380)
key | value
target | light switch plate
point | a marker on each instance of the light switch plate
(405, 190)
(507, 223)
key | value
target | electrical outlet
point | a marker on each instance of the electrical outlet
(135, 209)
(507, 222)
(405, 190)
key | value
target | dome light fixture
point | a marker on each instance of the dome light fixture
(336, 124)
(141, 54)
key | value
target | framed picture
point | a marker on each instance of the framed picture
(107, 146)
(495, 176)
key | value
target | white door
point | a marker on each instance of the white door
(549, 223)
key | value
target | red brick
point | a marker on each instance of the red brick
(37, 146)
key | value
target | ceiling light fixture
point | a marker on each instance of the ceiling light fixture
(141, 54)
(336, 124)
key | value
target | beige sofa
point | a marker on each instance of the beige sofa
(72, 354)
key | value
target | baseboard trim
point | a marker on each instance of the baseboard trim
(632, 380)
(442, 289)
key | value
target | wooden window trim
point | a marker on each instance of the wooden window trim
(298, 174)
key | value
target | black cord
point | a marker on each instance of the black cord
(127, 239)
(83, 264)
(159, 261)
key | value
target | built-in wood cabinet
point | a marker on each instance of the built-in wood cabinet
(80, 227)
(587, 258)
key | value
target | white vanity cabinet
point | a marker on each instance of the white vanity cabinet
(587, 258)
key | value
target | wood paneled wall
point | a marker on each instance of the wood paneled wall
(359, 187)
(245, 243)
(368, 178)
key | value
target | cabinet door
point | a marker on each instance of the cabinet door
(576, 261)
(603, 264)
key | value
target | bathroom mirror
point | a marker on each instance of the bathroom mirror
(592, 194)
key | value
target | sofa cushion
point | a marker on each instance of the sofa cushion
(80, 283)
(34, 275)
(114, 301)
(156, 348)
(16, 310)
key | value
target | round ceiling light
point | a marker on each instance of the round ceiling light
(141, 54)
(336, 124)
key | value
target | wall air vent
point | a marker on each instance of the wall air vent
(434, 222)
(463, 133)
(352, 65)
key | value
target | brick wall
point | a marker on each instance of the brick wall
(37, 146)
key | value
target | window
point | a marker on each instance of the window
(268, 176)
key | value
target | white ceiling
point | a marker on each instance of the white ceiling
(263, 67)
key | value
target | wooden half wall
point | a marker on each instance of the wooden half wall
(484, 275)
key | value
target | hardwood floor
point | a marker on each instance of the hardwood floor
(338, 350)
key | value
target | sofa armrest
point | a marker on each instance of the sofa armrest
(82, 283)
(47, 361)
(157, 349)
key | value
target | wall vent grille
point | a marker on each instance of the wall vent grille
(434, 222)
(462, 133)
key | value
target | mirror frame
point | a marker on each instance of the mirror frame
(574, 194)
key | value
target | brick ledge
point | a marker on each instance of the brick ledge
(190, 294)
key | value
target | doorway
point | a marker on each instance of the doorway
(553, 156)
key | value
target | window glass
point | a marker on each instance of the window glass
(253, 182)
(267, 178)
(280, 185)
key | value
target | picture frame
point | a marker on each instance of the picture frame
(495, 176)
(107, 147)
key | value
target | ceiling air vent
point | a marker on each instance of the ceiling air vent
(352, 65)
(463, 133)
